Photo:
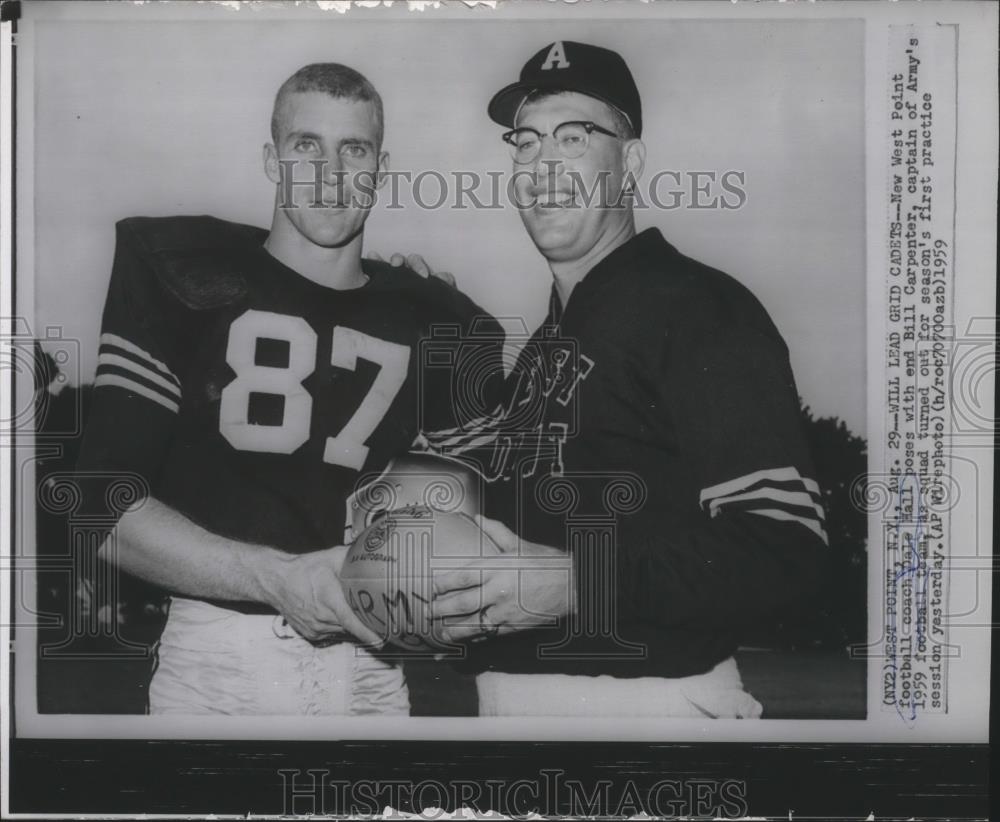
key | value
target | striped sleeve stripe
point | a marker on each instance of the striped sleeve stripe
(794, 498)
(140, 363)
(762, 502)
(779, 493)
(788, 474)
(457, 442)
(127, 370)
(454, 436)
(144, 378)
(797, 485)
(471, 427)
(147, 359)
(787, 516)
(485, 439)
(106, 358)
(124, 364)
(467, 445)
(171, 395)
(129, 384)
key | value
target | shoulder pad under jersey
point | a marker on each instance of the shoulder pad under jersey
(197, 259)
(445, 303)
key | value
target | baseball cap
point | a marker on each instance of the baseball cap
(568, 66)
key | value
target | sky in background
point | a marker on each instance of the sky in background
(170, 118)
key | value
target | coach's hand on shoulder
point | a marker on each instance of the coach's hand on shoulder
(416, 263)
(527, 586)
(305, 589)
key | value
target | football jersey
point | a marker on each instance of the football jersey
(253, 400)
(652, 428)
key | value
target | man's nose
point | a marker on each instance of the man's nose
(549, 159)
(333, 168)
(549, 164)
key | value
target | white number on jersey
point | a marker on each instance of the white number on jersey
(266, 379)
(348, 447)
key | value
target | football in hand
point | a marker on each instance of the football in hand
(389, 571)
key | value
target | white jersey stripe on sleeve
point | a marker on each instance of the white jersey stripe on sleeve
(459, 441)
(107, 358)
(470, 427)
(485, 439)
(136, 388)
(108, 338)
(460, 446)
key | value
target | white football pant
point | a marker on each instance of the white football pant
(716, 694)
(214, 660)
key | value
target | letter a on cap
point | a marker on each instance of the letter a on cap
(556, 58)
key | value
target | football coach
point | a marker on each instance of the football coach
(657, 395)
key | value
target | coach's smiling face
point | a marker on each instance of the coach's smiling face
(572, 205)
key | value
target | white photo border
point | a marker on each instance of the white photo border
(975, 240)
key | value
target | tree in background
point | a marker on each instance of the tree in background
(838, 616)
(841, 460)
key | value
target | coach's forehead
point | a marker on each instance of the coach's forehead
(565, 105)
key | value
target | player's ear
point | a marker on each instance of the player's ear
(271, 167)
(634, 158)
(382, 170)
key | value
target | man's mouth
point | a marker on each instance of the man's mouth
(555, 201)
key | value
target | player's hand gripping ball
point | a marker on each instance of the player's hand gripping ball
(389, 570)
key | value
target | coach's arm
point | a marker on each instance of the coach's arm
(753, 542)
(758, 543)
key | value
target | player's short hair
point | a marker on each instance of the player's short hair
(619, 122)
(338, 81)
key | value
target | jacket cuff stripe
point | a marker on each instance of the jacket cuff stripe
(787, 474)
(786, 516)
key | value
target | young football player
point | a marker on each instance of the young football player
(247, 378)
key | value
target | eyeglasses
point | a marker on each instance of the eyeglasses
(572, 139)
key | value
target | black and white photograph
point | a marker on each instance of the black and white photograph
(470, 374)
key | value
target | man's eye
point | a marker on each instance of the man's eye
(355, 151)
(526, 142)
(571, 139)
(305, 145)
